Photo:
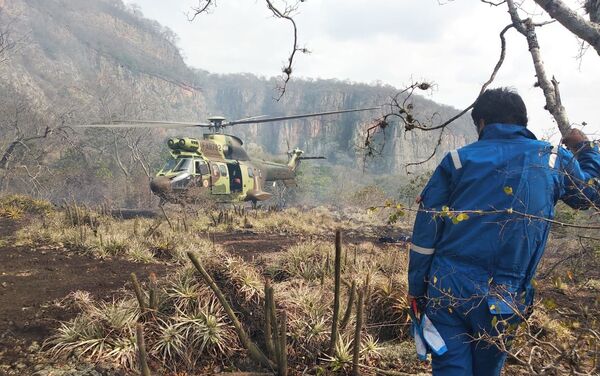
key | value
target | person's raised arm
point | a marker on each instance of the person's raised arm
(580, 168)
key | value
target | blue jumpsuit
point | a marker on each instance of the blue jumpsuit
(482, 266)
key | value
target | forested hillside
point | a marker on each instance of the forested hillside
(79, 61)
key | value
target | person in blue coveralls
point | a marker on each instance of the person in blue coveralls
(482, 228)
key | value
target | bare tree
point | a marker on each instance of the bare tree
(592, 7)
(25, 139)
(284, 11)
(6, 41)
(588, 30)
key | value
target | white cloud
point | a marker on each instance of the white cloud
(456, 45)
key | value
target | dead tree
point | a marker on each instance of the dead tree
(587, 30)
(7, 43)
(284, 12)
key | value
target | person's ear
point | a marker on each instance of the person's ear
(480, 126)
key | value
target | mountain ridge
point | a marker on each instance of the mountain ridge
(97, 60)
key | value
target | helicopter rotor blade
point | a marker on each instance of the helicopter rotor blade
(251, 118)
(280, 118)
(145, 124)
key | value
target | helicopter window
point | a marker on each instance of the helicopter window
(183, 165)
(215, 170)
(250, 172)
(202, 168)
(223, 170)
(169, 165)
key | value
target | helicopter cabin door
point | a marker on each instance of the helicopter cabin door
(202, 173)
(248, 178)
(219, 178)
(235, 177)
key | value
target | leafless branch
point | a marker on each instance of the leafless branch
(402, 108)
(553, 105)
(286, 14)
(587, 30)
(204, 6)
(493, 3)
(6, 41)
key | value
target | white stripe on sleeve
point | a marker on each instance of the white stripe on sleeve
(553, 156)
(456, 159)
(422, 250)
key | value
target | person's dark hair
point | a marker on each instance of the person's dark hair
(500, 105)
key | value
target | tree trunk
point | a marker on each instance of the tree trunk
(549, 87)
(592, 7)
(575, 23)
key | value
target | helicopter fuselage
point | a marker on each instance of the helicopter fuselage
(218, 166)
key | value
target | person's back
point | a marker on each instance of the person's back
(483, 227)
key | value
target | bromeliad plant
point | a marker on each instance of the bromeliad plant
(225, 307)
(182, 323)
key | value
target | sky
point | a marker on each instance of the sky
(454, 44)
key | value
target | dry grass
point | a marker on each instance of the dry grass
(189, 328)
(139, 240)
(15, 206)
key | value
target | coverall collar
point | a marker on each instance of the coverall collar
(505, 131)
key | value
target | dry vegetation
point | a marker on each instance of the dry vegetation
(187, 331)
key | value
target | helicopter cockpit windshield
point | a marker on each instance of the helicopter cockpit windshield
(184, 165)
(169, 165)
(177, 165)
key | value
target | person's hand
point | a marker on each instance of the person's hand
(411, 300)
(573, 139)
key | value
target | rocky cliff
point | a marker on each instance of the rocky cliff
(98, 59)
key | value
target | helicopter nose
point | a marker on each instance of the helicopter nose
(160, 185)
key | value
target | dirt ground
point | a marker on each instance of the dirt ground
(34, 281)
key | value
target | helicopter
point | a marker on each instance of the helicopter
(217, 165)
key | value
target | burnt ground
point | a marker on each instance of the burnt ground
(32, 283)
(253, 246)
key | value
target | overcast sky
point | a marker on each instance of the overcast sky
(454, 45)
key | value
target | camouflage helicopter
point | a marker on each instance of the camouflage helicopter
(217, 165)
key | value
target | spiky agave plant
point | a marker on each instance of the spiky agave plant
(118, 315)
(82, 335)
(206, 329)
(246, 280)
(305, 260)
(311, 333)
(169, 344)
(81, 299)
(306, 299)
(341, 359)
(370, 348)
(122, 350)
(139, 252)
(308, 309)
(184, 290)
(388, 307)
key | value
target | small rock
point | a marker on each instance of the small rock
(34, 346)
